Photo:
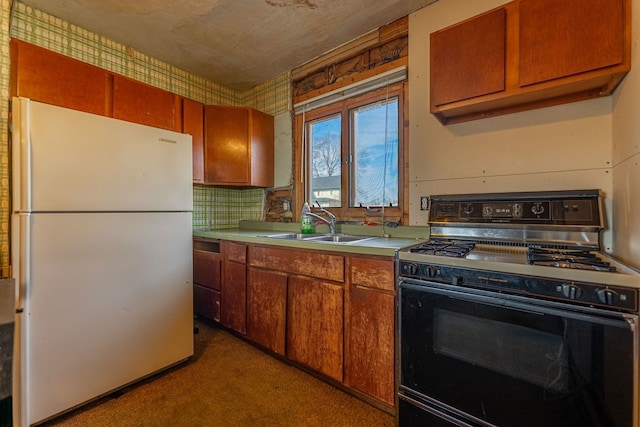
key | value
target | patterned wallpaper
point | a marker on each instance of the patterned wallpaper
(213, 207)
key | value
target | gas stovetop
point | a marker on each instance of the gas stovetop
(581, 259)
(552, 234)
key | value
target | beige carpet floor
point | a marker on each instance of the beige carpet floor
(228, 383)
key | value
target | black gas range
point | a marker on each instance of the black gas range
(552, 236)
(512, 315)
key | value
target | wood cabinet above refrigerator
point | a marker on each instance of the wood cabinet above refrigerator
(238, 147)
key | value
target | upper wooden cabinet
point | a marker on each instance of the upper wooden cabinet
(238, 148)
(552, 49)
(529, 54)
(140, 103)
(456, 75)
(52, 78)
(193, 124)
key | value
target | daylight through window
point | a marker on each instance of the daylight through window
(353, 152)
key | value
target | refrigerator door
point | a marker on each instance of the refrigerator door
(68, 160)
(109, 301)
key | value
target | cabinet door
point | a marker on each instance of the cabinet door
(315, 325)
(266, 308)
(193, 124)
(233, 311)
(52, 78)
(468, 59)
(370, 356)
(370, 352)
(137, 102)
(238, 147)
(227, 145)
(563, 38)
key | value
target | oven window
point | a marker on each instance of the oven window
(515, 366)
(537, 357)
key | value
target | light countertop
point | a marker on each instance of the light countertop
(384, 240)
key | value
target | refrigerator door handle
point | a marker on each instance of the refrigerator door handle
(21, 157)
(20, 251)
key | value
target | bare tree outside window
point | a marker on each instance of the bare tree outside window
(326, 156)
(326, 161)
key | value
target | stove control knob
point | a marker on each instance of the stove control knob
(468, 209)
(411, 269)
(607, 296)
(537, 209)
(517, 210)
(430, 271)
(571, 291)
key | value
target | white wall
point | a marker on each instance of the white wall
(626, 155)
(283, 150)
(556, 148)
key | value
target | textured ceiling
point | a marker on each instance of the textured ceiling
(235, 43)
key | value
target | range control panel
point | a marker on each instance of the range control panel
(588, 294)
(560, 208)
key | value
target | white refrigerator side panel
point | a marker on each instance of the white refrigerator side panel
(67, 160)
(109, 301)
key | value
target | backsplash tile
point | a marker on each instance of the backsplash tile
(223, 208)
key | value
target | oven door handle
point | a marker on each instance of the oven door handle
(528, 305)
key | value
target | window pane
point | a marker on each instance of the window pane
(326, 159)
(374, 146)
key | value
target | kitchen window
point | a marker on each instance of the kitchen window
(352, 153)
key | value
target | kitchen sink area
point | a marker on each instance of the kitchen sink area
(349, 238)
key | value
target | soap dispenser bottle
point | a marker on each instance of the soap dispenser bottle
(307, 225)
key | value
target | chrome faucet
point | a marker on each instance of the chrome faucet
(331, 222)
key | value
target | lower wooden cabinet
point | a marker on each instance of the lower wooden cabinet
(206, 302)
(370, 335)
(315, 325)
(266, 309)
(371, 343)
(329, 311)
(206, 278)
(233, 310)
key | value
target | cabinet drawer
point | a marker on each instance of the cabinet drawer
(236, 252)
(206, 269)
(206, 302)
(312, 264)
(373, 273)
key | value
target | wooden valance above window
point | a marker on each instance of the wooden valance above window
(376, 52)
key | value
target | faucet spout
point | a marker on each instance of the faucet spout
(331, 222)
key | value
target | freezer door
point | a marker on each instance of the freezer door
(108, 301)
(67, 160)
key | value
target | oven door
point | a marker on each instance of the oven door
(477, 358)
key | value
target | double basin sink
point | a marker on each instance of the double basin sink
(321, 238)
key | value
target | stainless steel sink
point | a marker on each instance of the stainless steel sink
(341, 238)
(293, 236)
(321, 238)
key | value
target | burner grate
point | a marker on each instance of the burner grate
(450, 248)
(577, 259)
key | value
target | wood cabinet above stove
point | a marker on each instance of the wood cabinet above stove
(529, 54)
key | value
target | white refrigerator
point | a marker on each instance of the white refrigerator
(101, 251)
